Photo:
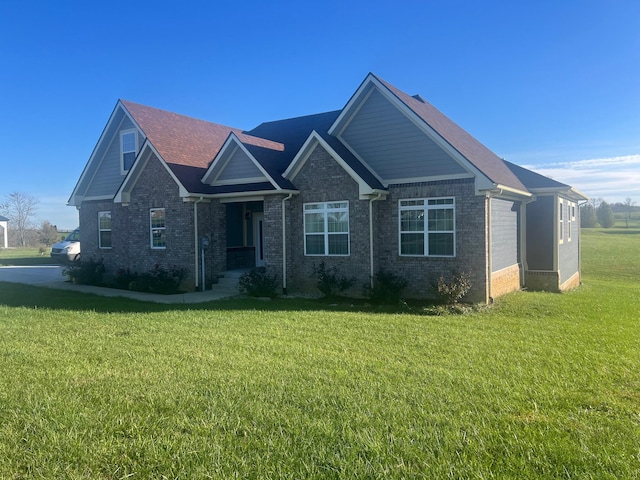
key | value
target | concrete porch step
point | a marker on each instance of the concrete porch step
(230, 278)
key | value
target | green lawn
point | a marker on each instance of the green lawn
(25, 256)
(537, 386)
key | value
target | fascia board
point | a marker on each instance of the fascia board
(94, 152)
(434, 178)
(346, 112)
(363, 92)
(303, 155)
(134, 174)
(103, 137)
(234, 139)
(248, 196)
(211, 172)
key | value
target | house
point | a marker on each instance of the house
(386, 183)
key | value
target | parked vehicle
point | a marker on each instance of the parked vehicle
(68, 250)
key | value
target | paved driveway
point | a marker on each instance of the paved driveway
(32, 275)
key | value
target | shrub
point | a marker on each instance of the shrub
(386, 288)
(123, 278)
(159, 280)
(85, 272)
(452, 289)
(258, 283)
(329, 280)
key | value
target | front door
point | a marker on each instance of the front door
(258, 238)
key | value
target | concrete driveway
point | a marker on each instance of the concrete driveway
(40, 275)
(51, 276)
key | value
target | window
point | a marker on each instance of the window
(571, 218)
(561, 222)
(427, 227)
(326, 228)
(128, 148)
(158, 228)
(104, 229)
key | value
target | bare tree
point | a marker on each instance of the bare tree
(20, 209)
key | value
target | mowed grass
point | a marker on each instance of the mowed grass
(538, 386)
(25, 256)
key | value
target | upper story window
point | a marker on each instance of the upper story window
(326, 228)
(104, 229)
(158, 228)
(427, 227)
(128, 148)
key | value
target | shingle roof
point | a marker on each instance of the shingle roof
(533, 180)
(187, 145)
(3, 219)
(475, 152)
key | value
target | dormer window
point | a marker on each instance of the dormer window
(128, 148)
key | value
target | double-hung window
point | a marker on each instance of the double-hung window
(158, 228)
(104, 229)
(326, 228)
(128, 148)
(427, 227)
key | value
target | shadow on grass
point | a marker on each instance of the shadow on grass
(28, 296)
(626, 231)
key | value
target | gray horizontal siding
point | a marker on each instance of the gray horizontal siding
(240, 166)
(108, 176)
(392, 145)
(504, 233)
(540, 240)
(569, 260)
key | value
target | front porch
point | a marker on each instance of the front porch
(244, 235)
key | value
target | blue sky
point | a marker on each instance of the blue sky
(550, 85)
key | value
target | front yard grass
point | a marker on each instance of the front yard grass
(538, 386)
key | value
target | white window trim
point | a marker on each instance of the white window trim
(100, 230)
(122, 152)
(152, 228)
(324, 210)
(426, 207)
(561, 222)
(570, 219)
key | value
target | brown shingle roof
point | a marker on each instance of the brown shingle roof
(187, 141)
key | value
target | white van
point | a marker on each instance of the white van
(68, 250)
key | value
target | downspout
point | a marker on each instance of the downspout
(195, 241)
(489, 250)
(371, 200)
(284, 245)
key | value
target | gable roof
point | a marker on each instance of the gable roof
(190, 149)
(479, 156)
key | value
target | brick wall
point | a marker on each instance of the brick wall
(130, 235)
(471, 242)
(321, 179)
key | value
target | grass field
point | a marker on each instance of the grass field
(537, 386)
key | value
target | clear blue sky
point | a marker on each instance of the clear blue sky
(551, 85)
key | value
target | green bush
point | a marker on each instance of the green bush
(158, 280)
(85, 272)
(452, 289)
(330, 281)
(258, 283)
(386, 288)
